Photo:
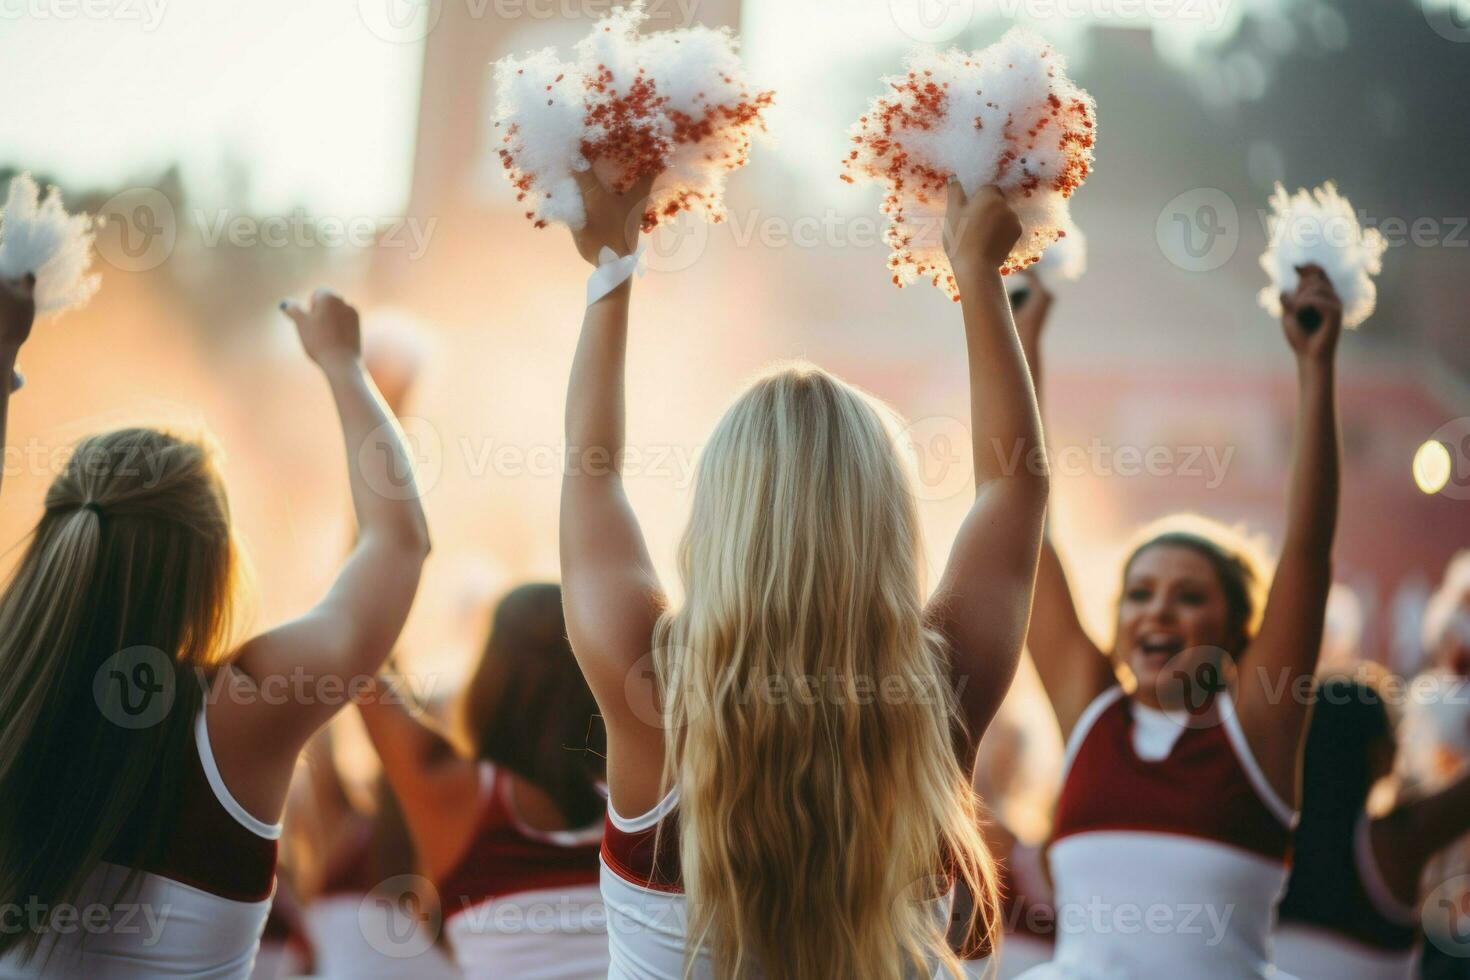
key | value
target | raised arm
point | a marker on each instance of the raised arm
(17, 313)
(1286, 648)
(984, 596)
(1073, 670)
(435, 784)
(1405, 839)
(284, 684)
(610, 590)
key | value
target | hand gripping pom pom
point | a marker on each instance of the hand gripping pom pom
(1007, 115)
(674, 103)
(1320, 228)
(38, 236)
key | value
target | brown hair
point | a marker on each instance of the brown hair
(528, 707)
(1238, 565)
(133, 558)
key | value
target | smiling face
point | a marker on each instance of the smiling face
(1173, 603)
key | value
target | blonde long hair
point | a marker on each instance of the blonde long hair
(812, 725)
(132, 558)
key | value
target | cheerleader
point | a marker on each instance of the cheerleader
(1170, 841)
(790, 751)
(143, 765)
(509, 834)
(1351, 906)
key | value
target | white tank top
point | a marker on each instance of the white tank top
(647, 914)
(1169, 849)
(166, 928)
(524, 902)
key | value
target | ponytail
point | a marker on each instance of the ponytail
(132, 561)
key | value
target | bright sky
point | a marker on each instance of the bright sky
(319, 108)
(319, 99)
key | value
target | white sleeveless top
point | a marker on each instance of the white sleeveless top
(1169, 850)
(163, 929)
(524, 902)
(647, 914)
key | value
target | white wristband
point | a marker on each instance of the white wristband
(612, 271)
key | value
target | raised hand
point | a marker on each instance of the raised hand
(17, 310)
(329, 329)
(613, 220)
(979, 231)
(1312, 316)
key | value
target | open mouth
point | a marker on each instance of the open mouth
(1160, 646)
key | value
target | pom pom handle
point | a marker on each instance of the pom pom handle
(1310, 318)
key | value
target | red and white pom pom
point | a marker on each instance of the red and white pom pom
(1320, 228)
(1007, 115)
(540, 114)
(674, 104)
(38, 236)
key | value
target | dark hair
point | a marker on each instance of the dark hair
(1236, 570)
(528, 707)
(1349, 720)
(129, 573)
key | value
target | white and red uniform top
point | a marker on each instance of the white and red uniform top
(1169, 850)
(1347, 925)
(643, 889)
(199, 908)
(524, 902)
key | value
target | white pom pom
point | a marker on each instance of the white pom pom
(674, 104)
(1065, 258)
(1007, 115)
(541, 105)
(38, 236)
(1320, 228)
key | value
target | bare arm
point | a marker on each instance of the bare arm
(17, 314)
(984, 596)
(285, 684)
(435, 784)
(1406, 839)
(610, 590)
(1073, 670)
(1290, 639)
